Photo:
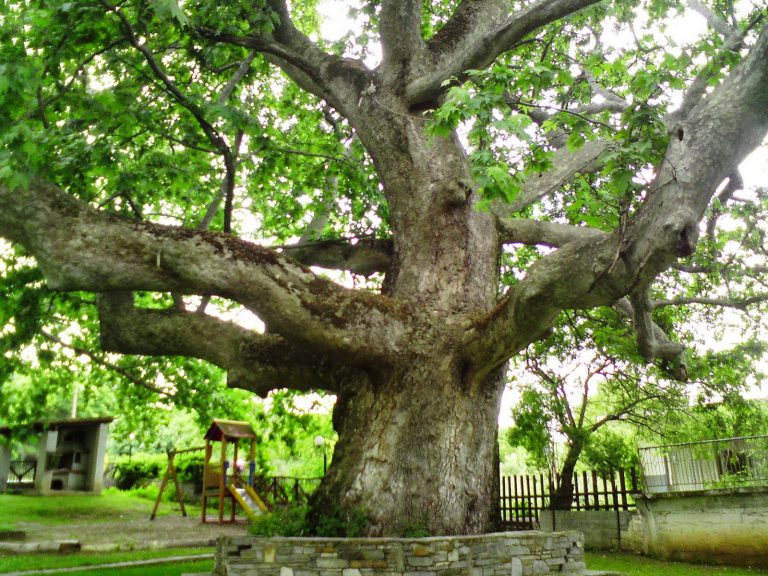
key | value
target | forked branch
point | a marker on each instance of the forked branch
(715, 137)
(256, 362)
(477, 33)
(337, 80)
(652, 342)
(78, 248)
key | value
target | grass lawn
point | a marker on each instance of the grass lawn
(159, 570)
(156, 570)
(633, 565)
(58, 510)
(11, 563)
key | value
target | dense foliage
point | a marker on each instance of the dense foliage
(292, 521)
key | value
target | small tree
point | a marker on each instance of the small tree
(573, 393)
(577, 395)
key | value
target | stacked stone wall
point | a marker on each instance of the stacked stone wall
(508, 554)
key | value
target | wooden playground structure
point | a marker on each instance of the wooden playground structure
(221, 479)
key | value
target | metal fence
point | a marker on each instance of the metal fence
(705, 465)
(22, 471)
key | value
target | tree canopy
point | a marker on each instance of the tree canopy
(470, 170)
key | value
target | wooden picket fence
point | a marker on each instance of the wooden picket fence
(523, 497)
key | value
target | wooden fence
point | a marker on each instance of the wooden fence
(523, 497)
(284, 490)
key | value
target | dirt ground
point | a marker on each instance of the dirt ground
(128, 533)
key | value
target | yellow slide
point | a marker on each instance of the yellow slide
(248, 500)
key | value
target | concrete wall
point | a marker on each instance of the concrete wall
(93, 437)
(508, 554)
(98, 449)
(44, 476)
(722, 527)
(602, 529)
(727, 527)
(5, 465)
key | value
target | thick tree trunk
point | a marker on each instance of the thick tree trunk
(417, 441)
(446, 251)
(416, 453)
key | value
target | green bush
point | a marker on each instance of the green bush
(416, 531)
(294, 521)
(189, 468)
(338, 523)
(291, 521)
(138, 470)
(141, 470)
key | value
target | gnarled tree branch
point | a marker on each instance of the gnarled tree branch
(652, 342)
(337, 80)
(365, 257)
(718, 133)
(400, 31)
(713, 20)
(79, 248)
(724, 269)
(476, 34)
(565, 165)
(737, 303)
(256, 362)
(542, 233)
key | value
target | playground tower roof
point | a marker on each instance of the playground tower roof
(229, 429)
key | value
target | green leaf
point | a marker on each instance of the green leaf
(171, 10)
(575, 141)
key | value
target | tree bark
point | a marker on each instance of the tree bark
(562, 497)
(417, 440)
(416, 452)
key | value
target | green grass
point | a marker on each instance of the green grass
(159, 570)
(69, 509)
(10, 563)
(633, 565)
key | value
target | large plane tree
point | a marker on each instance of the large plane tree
(487, 164)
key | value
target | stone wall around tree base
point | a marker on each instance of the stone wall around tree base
(508, 553)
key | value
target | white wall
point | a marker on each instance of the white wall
(723, 527)
(727, 527)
